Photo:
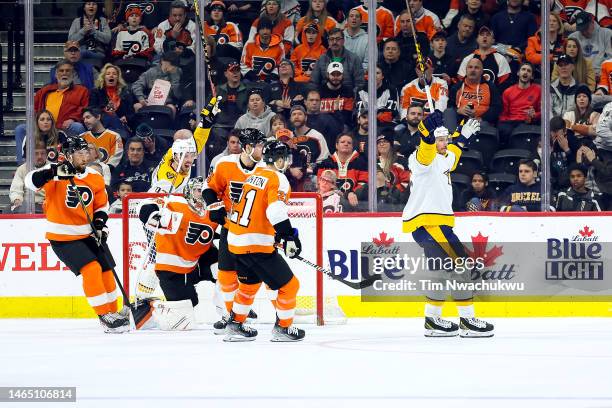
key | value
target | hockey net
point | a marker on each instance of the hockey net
(314, 305)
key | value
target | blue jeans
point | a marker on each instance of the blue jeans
(75, 129)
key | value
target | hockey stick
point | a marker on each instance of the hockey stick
(354, 285)
(126, 299)
(420, 60)
(202, 31)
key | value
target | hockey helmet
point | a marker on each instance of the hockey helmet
(274, 150)
(73, 144)
(182, 146)
(193, 194)
(250, 136)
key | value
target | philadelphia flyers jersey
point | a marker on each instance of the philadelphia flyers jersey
(385, 25)
(413, 92)
(263, 62)
(66, 220)
(228, 34)
(226, 178)
(134, 43)
(262, 204)
(109, 144)
(165, 178)
(179, 250)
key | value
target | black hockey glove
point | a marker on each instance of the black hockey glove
(101, 230)
(217, 212)
(288, 238)
(209, 112)
(63, 171)
(428, 125)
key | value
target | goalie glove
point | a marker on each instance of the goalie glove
(161, 219)
(469, 129)
(217, 212)
(288, 238)
(428, 125)
(209, 113)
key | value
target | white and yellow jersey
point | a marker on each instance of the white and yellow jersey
(164, 176)
(431, 191)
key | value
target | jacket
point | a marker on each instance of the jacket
(97, 41)
(261, 122)
(358, 45)
(484, 96)
(76, 98)
(232, 105)
(144, 83)
(533, 52)
(596, 48)
(99, 98)
(572, 200)
(562, 100)
(305, 56)
(353, 70)
(258, 63)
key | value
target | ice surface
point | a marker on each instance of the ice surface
(555, 362)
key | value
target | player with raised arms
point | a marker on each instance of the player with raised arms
(429, 216)
(69, 230)
(257, 224)
(185, 256)
(222, 191)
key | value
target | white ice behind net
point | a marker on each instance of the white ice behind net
(302, 212)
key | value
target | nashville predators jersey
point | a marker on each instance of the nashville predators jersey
(226, 178)
(109, 145)
(262, 204)
(431, 191)
(179, 250)
(165, 177)
(66, 220)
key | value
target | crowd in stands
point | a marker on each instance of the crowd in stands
(297, 71)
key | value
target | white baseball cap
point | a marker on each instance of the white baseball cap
(335, 67)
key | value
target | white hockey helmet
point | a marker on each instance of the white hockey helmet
(182, 146)
(441, 132)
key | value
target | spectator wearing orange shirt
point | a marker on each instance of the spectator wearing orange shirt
(281, 25)
(384, 21)
(424, 20)
(260, 58)
(305, 55)
(316, 14)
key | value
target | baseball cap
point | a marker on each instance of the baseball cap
(231, 66)
(583, 19)
(564, 59)
(329, 175)
(335, 67)
(485, 28)
(385, 134)
(71, 44)
(284, 134)
(312, 26)
(217, 4)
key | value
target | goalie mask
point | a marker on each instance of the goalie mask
(193, 194)
(275, 150)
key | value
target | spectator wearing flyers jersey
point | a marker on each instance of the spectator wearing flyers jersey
(281, 25)
(177, 27)
(424, 20)
(335, 96)
(351, 171)
(406, 42)
(495, 66)
(227, 35)
(384, 21)
(414, 92)
(387, 99)
(260, 58)
(311, 144)
(135, 40)
(305, 55)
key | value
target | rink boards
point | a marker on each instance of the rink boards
(33, 283)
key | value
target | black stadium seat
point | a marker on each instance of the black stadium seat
(525, 137)
(470, 162)
(167, 134)
(506, 161)
(498, 182)
(460, 182)
(132, 68)
(486, 142)
(158, 117)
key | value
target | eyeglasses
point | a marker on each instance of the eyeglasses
(335, 39)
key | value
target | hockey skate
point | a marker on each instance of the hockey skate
(219, 326)
(438, 327)
(473, 327)
(236, 331)
(286, 334)
(115, 323)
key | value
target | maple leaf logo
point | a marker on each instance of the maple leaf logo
(479, 243)
(586, 232)
(382, 240)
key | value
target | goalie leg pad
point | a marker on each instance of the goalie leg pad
(174, 316)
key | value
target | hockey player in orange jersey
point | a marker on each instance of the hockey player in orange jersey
(185, 255)
(257, 224)
(222, 191)
(70, 232)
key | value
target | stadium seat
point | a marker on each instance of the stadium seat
(167, 134)
(506, 161)
(461, 182)
(182, 119)
(498, 182)
(470, 162)
(525, 137)
(486, 142)
(158, 117)
(132, 68)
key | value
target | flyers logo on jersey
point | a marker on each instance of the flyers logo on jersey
(222, 38)
(308, 64)
(263, 65)
(72, 199)
(235, 193)
(197, 232)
